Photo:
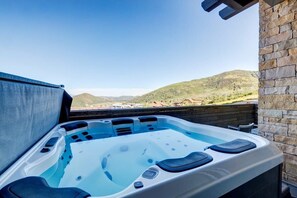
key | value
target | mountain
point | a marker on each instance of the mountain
(88, 100)
(228, 86)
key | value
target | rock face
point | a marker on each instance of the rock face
(278, 80)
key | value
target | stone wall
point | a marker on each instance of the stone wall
(278, 81)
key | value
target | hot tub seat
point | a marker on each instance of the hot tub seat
(37, 187)
(74, 125)
(235, 146)
(192, 160)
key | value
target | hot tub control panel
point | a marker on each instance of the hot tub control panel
(150, 173)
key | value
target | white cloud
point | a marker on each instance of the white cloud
(109, 91)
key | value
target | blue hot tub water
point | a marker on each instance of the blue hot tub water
(109, 165)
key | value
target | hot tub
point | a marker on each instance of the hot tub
(149, 156)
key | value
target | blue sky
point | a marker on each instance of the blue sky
(123, 47)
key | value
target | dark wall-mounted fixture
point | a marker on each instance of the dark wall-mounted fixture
(233, 7)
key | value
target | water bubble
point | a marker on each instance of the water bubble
(108, 175)
(78, 178)
(124, 148)
(104, 163)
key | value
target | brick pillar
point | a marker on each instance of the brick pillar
(278, 82)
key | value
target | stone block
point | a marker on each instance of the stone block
(262, 43)
(284, 120)
(284, 45)
(265, 19)
(260, 120)
(290, 117)
(287, 60)
(275, 90)
(281, 130)
(285, 139)
(263, 127)
(272, 32)
(294, 33)
(292, 179)
(268, 64)
(287, 148)
(264, 6)
(293, 89)
(286, 82)
(292, 113)
(268, 11)
(271, 74)
(291, 168)
(284, 11)
(274, 120)
(285, 27)
(293, 52)
(276, 55)
(262, 74)
(283, 36)
(292, 131)
(261, 104)
(286, 71)
(261, 91)
(281, 20)
(269, 136)
(272, 24)
(286, 18)
(261, 58)
(280, 72)
(277, 102)
(266, 83)
(270, 113)
(290, 158)
(291, 121)
(292, 5)
(266, 50)
(294, 25)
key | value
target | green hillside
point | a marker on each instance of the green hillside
(229, 86)
(88, 100)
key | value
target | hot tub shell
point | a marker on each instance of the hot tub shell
(249, 174)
